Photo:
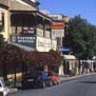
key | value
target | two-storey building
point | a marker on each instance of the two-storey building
(23, 25)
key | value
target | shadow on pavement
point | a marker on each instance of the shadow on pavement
(88, 82)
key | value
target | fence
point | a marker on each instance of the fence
(75, 67)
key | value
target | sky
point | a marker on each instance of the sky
(85, 8)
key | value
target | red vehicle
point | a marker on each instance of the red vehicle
(54, 78)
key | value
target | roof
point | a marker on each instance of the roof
(69, 57)
(30, 2)
(31, 12)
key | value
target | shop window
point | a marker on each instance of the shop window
(2, 22)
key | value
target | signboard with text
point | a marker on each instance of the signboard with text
(57, 25)
(28, 31)
(29, 41)
(57, 29)
(44, 44)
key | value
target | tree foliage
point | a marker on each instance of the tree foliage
(81, 37)
(14, 60)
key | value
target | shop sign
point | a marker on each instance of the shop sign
(57, 25)
(57, 33)
(57, 29)
(29, 41)
(28, 31)
(44, 44)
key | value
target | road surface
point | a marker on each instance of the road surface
(85, 86)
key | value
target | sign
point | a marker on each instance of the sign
(57, 33)
(57, 29)
(57, 25)
(64, 49)
(28, 31)
(29, 41)
(45, 45)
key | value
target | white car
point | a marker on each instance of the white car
(3, 88)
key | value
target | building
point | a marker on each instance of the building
(25, 26)
(58, 29)
(56, 17)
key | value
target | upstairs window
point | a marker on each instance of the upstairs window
(1, 22)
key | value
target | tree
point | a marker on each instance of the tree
(14, 60)
(81, 37)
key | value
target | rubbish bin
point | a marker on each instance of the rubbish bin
(1, 93)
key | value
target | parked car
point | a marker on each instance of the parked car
(54, 78)
(3, 89)
(38, 79)
(27, 81)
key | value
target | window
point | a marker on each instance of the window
(0, 85)
(1, 22)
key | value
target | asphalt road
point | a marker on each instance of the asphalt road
(85, 86)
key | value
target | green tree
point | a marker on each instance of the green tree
(81, 36)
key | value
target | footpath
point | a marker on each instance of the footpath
(67, 78)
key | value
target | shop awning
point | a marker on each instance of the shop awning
(69, 57)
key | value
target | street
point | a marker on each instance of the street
(85, 86)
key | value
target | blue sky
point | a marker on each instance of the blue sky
(71, 8)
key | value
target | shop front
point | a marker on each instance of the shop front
(70, 65)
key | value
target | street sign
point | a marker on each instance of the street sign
(64, 49)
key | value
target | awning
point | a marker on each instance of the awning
(69, 57)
